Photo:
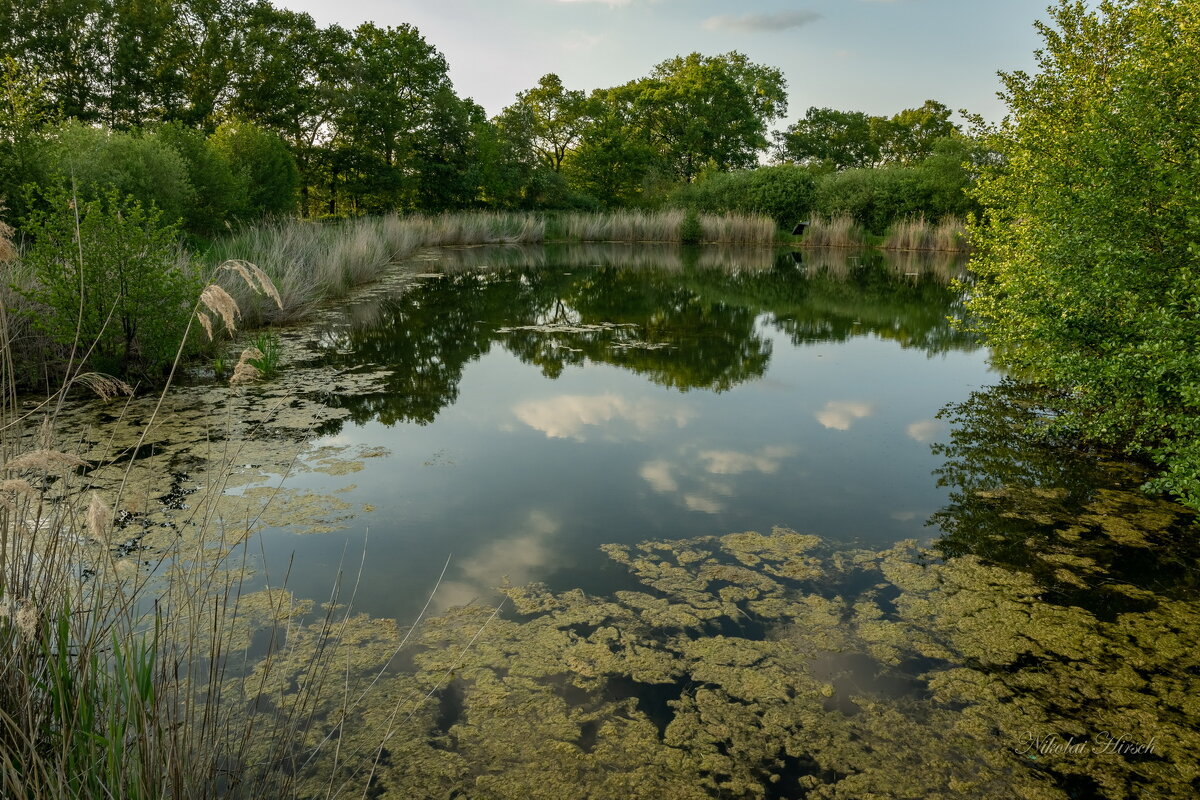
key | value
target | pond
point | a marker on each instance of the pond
(701, 522)
(544, 402)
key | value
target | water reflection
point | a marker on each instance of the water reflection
(683, 318)
(1023, 497)
(569, 416)
(1056, 603)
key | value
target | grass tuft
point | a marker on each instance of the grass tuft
(839, 231)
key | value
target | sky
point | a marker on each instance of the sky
(877, 56)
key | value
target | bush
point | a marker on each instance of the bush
(1088, 252)
(215, 191)
(135, 299)
(879, 197)
(784, 193)
(100, 161)
(265, 172)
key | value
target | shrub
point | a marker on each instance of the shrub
(117, 288)
(99, 162)
(1088, 250)
(263, 167)
(215, 191)
(690, 230)
(784, 193)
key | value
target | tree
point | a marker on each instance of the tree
(837, 140)
(831, 139)
(615, 156)
(98, 161)
(265, 172)
(702, 111)
(290, 79)
(393, 78)
(1088, 256)
(216, 194)
(911, 135)
(556, 118)
(24, 109)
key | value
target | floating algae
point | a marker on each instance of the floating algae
(767, 665)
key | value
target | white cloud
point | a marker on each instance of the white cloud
(520, 558)
(841, 414)
(756, 23)
(732, 462)
(697, 502)
(568, 416)
(924, 431)
(601, 2)
(658, 475)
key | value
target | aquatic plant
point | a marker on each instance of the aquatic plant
(267, 362)
(839, 231)
(762, 665)
(917, 233)
(111, 666)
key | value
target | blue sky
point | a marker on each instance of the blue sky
(877, 56)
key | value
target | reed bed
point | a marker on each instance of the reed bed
(838, 231)
(737, 229)
(310, 262)
(663, 226)
(916, 233)
(622, 226)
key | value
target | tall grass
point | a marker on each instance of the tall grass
(737, 228)
(621, 226)
(838, 231)
(916, 233)
(662, 226)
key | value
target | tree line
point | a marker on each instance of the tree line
(220, 109)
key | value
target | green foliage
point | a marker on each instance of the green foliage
(614, 158)
(834, 139)
(266, 343)
(116, 289)
(100, 161)
(785, 193)
(24, 110)
(708, 110)
(830, 138)
(690, 230)
(215, 192)
(1088, 251)
(265, 172)
(878, 197)
(556, 118)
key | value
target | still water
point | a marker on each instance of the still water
(543, 403)
(770, 528)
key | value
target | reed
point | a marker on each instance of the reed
(838, 231)
(917, 233)
(737, 229)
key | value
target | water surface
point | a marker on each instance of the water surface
(544, 402)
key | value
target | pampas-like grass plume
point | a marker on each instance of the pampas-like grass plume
(255, 278)
(106, 387)
(46, 461)
(99, 515)
(245, 372)
(221, 303)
